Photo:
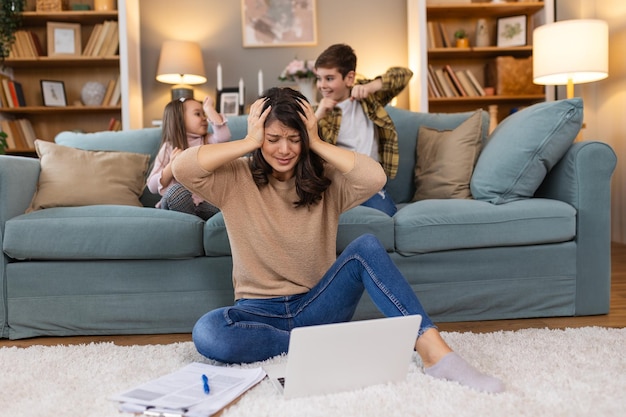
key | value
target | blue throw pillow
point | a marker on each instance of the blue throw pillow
(523, 148)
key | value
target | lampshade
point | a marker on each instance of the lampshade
(181, 63)
(571, 52)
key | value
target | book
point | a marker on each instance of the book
(110, 44)
(475, 83)
(445, 84)
(432, 43)
(455, 81)
(108, 93)
(431, 71)
(444, 36)
(102, 36)
(7, 92)
(4, 126)
(19, 93)
(197, 389)
(432, 86)
(95, 33)
(28, 131)
(466, 83)
(115, 97)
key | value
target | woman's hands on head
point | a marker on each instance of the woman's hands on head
(310, 121)
(256, 121)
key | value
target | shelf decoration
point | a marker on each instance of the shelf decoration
(63, 38)
(53, 93)
(512, 31)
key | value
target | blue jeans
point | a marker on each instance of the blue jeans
(382, 201)
(257, 329)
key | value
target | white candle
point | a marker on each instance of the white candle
(260, 82)
(241, 91)
(219, 77)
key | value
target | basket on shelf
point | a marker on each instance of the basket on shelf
(51, 5)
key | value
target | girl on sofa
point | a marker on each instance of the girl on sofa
(185, 125)
(281, 207)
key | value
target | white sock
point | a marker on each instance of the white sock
(452, 367)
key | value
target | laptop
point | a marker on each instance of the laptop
(332, 358)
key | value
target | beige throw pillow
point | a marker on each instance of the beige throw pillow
(446, 159)
(73, 177)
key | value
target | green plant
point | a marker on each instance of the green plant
(460, 34)
(10, 21)
(3, 143)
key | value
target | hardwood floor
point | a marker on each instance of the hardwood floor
(615, 318)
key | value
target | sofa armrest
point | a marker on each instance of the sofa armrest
(18, 182)
(583, 179)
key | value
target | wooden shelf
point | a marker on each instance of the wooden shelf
(476, 10)
(83, 17)
(479, 52)
(486, 99)
(60, 110)
(47, 62)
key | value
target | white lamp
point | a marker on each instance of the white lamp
(571, 52)
(181, 64)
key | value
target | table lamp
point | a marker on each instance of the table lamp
(571, 52)
(181, 64)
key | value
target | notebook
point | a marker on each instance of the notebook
(340, 357)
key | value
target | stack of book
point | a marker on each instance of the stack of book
(11, 93)
(113, 93)
(20, 134)
(26, 45)
(447, 82)
(104, 40)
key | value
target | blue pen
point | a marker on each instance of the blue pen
(205, 384)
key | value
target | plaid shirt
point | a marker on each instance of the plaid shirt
(394, 81)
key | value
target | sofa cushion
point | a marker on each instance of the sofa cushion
(523, 148)
(74, 177)
(145, 141)
(446, 158)
(407, 123)
(352, 224)
(103, 232)
(439, 225)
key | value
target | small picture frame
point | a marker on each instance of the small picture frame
(228, 101)
(63, 39)
(53, 93)
(512, 31)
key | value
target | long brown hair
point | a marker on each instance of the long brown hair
(309, 171)
(173, 130)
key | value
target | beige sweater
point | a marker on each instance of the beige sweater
(278, 249)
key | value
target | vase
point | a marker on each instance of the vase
(308, 89)
(92, 93)
(482, 33)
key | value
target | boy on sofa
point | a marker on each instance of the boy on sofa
(352, 113)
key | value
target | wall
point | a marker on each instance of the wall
(377, 32)
(605, 100)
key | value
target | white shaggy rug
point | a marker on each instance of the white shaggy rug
(573, 372)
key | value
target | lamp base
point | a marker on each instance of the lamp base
(179, 92)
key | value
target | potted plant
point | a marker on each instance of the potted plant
(10, 21)
(3, 143)
(462, 41)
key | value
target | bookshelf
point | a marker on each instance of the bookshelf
(73, 70)
(428, 52)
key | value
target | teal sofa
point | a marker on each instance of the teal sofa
(112, 269)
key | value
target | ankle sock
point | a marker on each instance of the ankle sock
(452, 367)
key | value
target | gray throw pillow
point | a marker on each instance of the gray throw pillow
(523, 149)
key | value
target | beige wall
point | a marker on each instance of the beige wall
(605, 101)
(376, 30)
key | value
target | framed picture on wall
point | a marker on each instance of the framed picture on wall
(228, 101)
(53, 93)
(512, 31)
(278, 23)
